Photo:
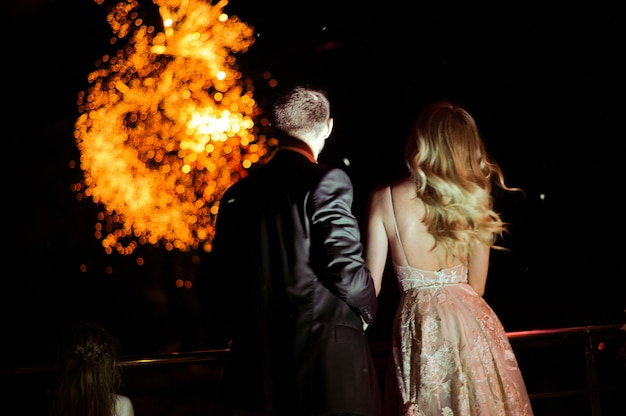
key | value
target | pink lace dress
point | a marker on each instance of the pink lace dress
(451, 354)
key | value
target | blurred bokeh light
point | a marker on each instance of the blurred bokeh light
(166, 125)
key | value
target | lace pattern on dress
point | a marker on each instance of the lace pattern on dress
(451, 353)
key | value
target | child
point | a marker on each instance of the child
(88, 378)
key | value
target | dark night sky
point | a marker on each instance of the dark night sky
(547, 92)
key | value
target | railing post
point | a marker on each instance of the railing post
(592, 377)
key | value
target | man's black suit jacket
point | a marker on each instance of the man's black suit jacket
(295, 291)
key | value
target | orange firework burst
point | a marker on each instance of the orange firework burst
(167, 125)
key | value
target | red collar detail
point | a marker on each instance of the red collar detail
(306, 152)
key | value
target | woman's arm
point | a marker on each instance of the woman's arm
(377, 242)
(478, 266)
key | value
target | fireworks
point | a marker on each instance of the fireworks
(166, 125)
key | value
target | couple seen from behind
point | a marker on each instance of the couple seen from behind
(299, 285)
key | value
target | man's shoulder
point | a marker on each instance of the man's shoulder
(334, 173)
(245, 182)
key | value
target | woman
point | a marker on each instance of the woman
(450, 353)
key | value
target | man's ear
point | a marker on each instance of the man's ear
(330, 124)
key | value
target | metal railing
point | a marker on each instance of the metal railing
(595, 340)
(590, 342)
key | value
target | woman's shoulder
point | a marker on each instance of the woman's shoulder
(403, 185)
(383, 189)
(379, 196)
(403, 191)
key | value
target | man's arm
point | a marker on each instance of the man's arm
(338, 231)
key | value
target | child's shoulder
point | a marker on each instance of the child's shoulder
(123, 406)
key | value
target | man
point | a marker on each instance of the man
(288, 257)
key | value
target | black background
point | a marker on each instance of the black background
(546, 87)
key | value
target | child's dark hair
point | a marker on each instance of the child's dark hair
(87, 374)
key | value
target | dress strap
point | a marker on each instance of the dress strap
(395, 224)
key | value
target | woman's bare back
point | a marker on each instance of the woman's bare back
(411, 237)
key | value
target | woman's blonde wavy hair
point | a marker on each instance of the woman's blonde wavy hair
(453, 173)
